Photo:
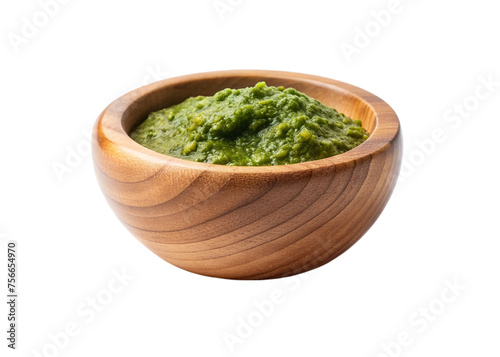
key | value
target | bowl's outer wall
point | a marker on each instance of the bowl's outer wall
(245, 223)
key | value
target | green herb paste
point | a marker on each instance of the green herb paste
(253, 126)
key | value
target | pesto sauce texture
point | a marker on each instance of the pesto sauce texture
(253, 126)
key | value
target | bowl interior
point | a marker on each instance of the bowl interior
(170, 92)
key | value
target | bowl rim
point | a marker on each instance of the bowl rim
(386, 124)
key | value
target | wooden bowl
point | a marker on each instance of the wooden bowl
(244, 222)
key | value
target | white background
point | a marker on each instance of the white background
(440, 227)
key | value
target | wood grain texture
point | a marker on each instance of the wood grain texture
(246, 222)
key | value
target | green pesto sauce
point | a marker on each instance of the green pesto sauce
(253, 126)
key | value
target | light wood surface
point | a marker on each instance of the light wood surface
(246, 222)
